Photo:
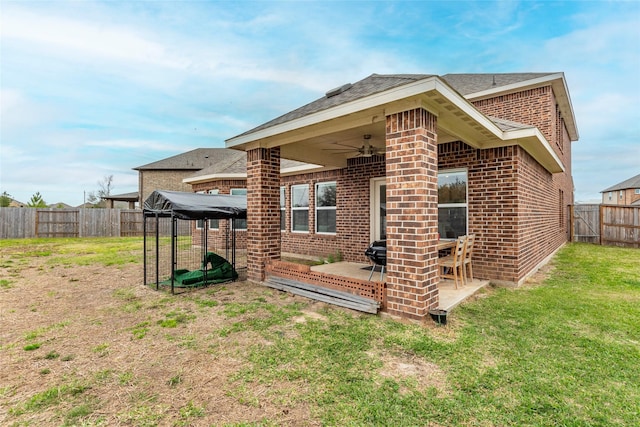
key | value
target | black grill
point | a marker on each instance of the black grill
(377, 253)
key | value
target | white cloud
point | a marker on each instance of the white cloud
(72, 37)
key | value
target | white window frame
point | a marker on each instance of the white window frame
(200, 222)
(283, 208)
(325, 208)
(376, 233)
(466, 197)
(244, 191)
(217, 221)
(637, 191)
(303, 208)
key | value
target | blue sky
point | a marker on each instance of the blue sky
(91, 89)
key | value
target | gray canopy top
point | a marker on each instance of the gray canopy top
(195, 206)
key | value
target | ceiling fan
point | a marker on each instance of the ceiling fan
(367, 150)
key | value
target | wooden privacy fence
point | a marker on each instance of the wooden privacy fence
(18, 223)
(606, 225)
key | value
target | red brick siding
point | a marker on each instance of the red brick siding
(263, 206)
(532, 107)
(171, 180)
(492, 205)
(412, 216)
(217, 237)
(353, 222)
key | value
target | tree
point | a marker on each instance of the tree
(104, 189)
(37, 201)
(5, 199)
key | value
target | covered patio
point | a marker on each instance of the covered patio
(379, 145)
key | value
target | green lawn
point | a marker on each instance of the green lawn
(562, 352)
(565, 352)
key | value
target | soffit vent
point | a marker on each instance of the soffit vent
(338, 90)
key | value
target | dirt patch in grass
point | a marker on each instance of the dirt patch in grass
(105, 350)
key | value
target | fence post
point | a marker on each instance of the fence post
(601, 222)
(571, 225)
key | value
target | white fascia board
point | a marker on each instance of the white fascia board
(214, 177)
(553, 163)
(463, 104)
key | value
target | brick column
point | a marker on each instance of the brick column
(412, 213)
(263, 210)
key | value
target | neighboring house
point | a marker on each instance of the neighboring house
(122, 201)
(624, 193)
(168, 174)
(406, 157)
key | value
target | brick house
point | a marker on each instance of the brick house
(409, 158)
(624, 193)
(168, 174)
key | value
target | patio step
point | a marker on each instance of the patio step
(319, 293)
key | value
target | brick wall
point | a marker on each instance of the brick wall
(532, 107)
(412, 213)
(353, 223)
(263, 206)
(171, 180)
(518, 210)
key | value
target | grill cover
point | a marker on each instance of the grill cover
(377, 252)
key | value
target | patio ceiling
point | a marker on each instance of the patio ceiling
(323, 137)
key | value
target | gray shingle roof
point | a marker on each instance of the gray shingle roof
(507, 125)
(375, 83)
(472, 83)
(196, 159)
(463, 83)
(633, 182)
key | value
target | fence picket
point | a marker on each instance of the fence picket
(21, 223)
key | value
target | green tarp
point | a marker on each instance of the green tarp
(215, 269)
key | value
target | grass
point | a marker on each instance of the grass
(563, 352)
(73, 251)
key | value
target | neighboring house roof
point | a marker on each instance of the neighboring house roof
(197, 159)
(59, 205)
(124, 197)
(633, 182)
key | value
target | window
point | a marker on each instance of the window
(637, 191)
(621, 194)
(610, 194)
(300, 208)
(326, 207)
(452, 203)
(239, 224)
(283, 204)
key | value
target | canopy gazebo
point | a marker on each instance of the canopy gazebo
(184, 246)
